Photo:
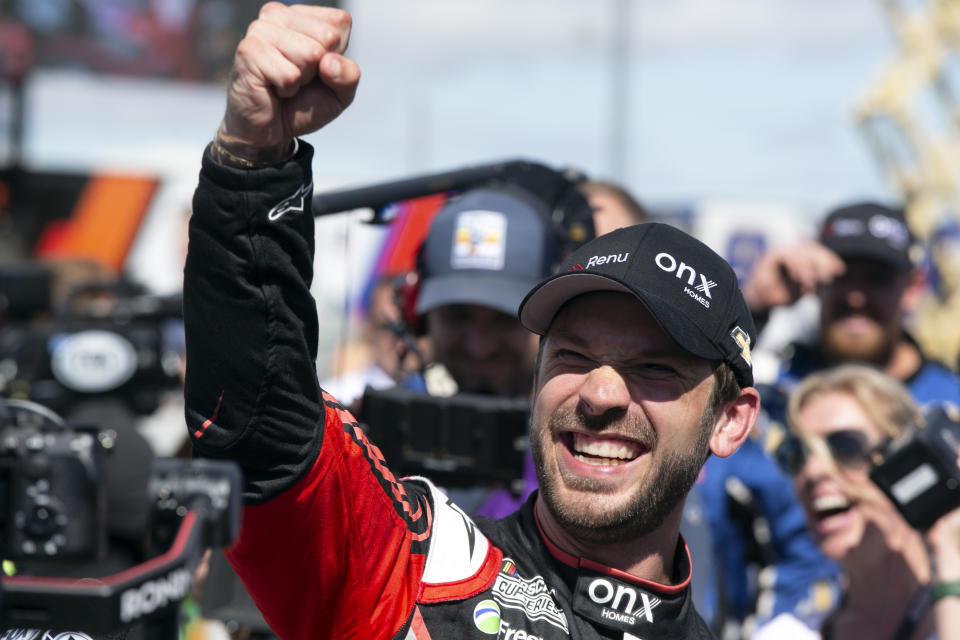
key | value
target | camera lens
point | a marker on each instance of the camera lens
(42, 521)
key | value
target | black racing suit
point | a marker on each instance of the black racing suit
(332, 544)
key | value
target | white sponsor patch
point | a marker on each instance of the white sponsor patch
(479, 241)
(530, 596)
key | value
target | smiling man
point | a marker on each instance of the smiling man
(643, 371)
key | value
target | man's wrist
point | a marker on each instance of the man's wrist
(231, 153)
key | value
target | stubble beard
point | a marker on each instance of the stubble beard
(664, 487)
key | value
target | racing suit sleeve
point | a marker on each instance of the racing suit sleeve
(331, 545)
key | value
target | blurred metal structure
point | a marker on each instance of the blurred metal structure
(910, 118)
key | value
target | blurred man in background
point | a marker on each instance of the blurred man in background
(864, 270)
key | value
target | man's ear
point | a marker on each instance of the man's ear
(734, 424)
(916, 287)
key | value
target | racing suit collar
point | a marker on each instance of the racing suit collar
(682, 563)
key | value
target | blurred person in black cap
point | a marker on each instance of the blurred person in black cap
(643, 370)
(865, 271)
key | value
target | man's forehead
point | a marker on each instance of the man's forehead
(614, 319)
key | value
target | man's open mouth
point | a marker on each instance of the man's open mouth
(603, 451)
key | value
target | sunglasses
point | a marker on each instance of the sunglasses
(849, 448)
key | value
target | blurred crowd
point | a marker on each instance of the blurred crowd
(786, 534)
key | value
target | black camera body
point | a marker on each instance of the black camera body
(464, 440)
(918, 470)
(127, 345)
(53, 508)
(51, 494)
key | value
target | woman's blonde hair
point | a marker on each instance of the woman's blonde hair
(886, 401)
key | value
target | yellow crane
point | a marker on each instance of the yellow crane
(910, 118)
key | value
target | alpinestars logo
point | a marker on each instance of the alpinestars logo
(530, 596)
(622, 603)
(683, 271)
(297, 203)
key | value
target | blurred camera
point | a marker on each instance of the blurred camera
(211, 486)
(51, 497)
(918, 470)
(464, 440)
(105, 340)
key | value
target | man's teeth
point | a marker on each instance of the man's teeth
(603, 451)
(831, 502)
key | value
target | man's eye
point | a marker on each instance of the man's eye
(656, 369)
(571, 356)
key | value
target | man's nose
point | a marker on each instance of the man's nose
(604, 390)
(856, 297)
(480, 343)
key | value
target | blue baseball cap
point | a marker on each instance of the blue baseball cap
(488, 247)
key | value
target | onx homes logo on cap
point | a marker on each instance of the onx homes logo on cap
(479, 240)
(668, 263)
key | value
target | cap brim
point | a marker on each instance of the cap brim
(541, 305)
(855, 250)
(487, 290)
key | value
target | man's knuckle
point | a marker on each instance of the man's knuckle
(247, 46)
(330, 39)
(341, 18)
(288, 78)
(271, 9)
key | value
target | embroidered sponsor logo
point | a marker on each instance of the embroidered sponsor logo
(743, 341)
(880, 226)
(685, 272)
(486, 615)
(510, 633)
(530, 596)
(36, 634)
(297, 203)
(622, 603)
(479, 241)
(596, 261)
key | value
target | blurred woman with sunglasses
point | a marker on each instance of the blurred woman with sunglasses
(898, 583)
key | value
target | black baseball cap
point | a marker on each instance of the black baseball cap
(487, 247)
(691, 291)
(869, 230)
